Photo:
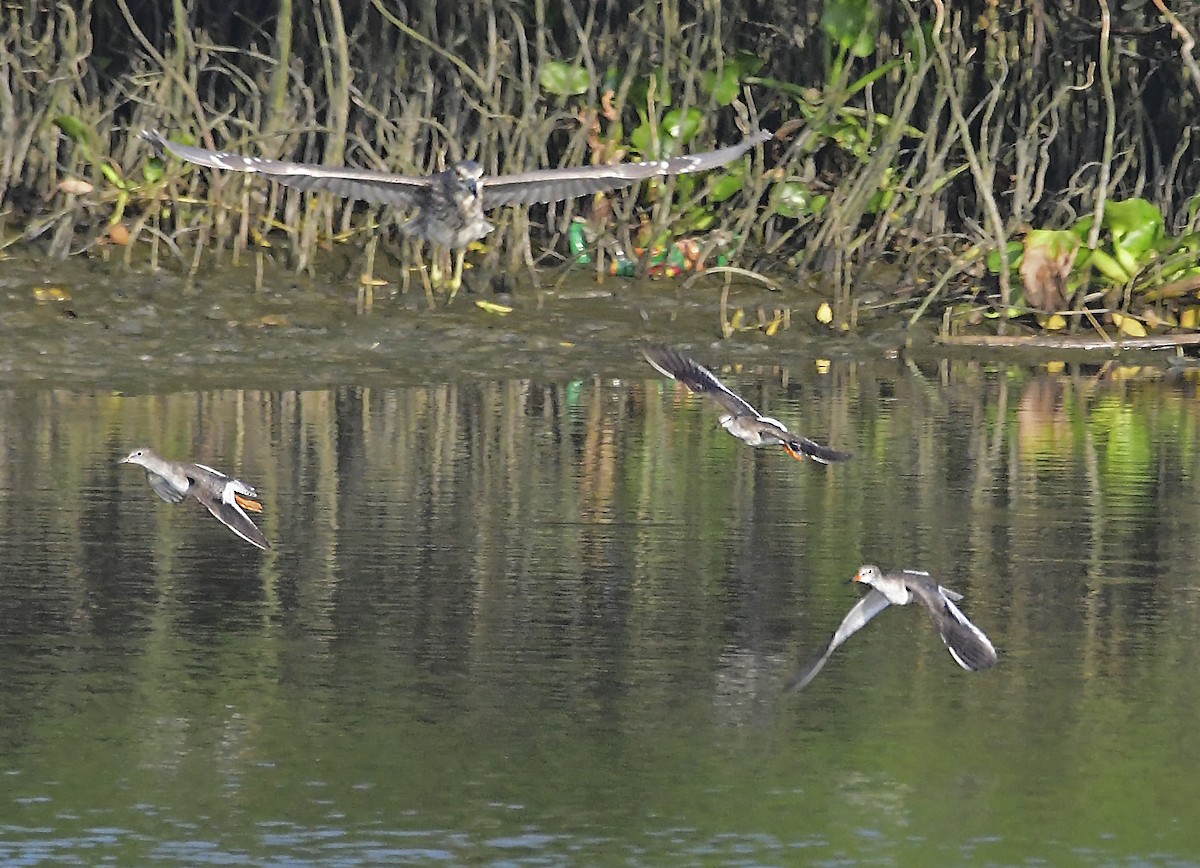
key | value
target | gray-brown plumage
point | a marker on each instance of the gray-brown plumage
(740, 419)
(451, 203)
(968, 645)
(227, 499)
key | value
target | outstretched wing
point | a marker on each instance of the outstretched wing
(802, 447)
(228, 510)
(368, 185)
(553, 185)
(164, 488)
(674, 364)
(967, 644)
(871, 604)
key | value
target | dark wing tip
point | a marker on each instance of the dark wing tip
(970, 647)
(804, 676)
(670, 362)
(666, 360)
(156, 139)
(803, 447)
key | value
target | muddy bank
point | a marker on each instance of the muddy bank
(96, 325)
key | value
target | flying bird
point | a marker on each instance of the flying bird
(740, 419)
(450, 203)
(969, 647)
(227, 499)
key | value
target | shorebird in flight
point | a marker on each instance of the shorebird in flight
(450, 203)
(739, 419)
(968, 645)
(227, 499)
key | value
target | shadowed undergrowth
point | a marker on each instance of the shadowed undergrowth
(910, 134)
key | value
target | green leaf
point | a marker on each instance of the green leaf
(851, 24)
(871, 77)
(725, 186)
(682, 127)
(794, 199)
(113, 176)
(152, 170)
(1055, 243)
(1130, 215)
(639, 91)
(747, 62)
(1015, 250)
(640, 138)
(1109, 267)
(75, 129)
(1137, 227)
(563, 79)
(685, 186)
(700, 220)
(724, 88)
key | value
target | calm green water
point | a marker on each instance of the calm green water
(546, 622)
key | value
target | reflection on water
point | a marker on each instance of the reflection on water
(529, 621)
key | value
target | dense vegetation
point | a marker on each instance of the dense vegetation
(910, 133)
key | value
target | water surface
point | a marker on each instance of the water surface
(546, 621)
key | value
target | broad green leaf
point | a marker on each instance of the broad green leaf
(682, 126)
(852, 24)
(1129, 215)
(685, 186)
(639, 90)
(1015, 250)
(1053, 242)
(563, 79)
(723, 88)
(725, 186)
(747, 62)
(700, 220)
(640, 138)
(794, 199)
(152, 170)
(1109, 267)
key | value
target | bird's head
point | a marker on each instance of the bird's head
(469, 174)
(137, 456)
(868, 574)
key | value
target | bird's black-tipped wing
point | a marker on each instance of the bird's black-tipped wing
(871, 604)
(814, 450)
(967, 644)
(674, 364)
(368, 185)
(553, 185)
(234, 517)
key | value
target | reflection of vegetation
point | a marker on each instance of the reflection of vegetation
(458, 562)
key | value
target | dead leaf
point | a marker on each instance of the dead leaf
(75, 186)
(1046, 265)
(51, 293)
